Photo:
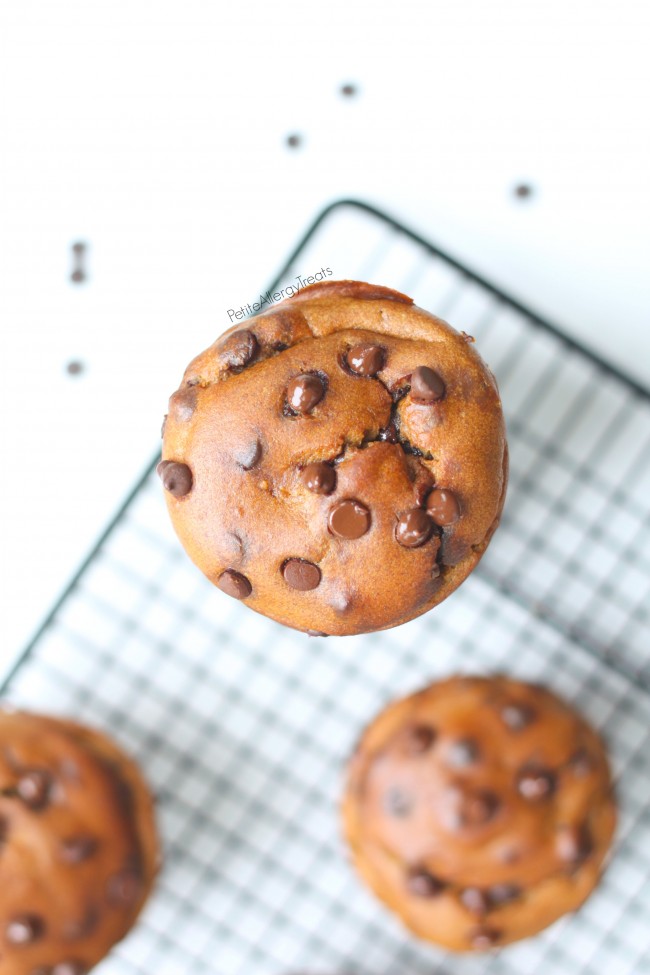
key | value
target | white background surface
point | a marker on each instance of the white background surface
(156, 132)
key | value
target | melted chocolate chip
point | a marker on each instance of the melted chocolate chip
(419, 738)
(249, 455)
(484, 938)
(69, 968)
(34, 788)
(413, 528)
(238, 348)
(317, 633)
(301, 575)
(24, 929)
(234, 584)
(76, 849)
(581, 763)
(365, 359)
(349, 519)
(574, 844)
(426, 385)
(463, 752)
(475, 900)
(421, 883)
(536, 784)
(517, 716)
(397, 803)
(320, 478)
(443, 507)
(81, 928)
(124, 888)
(304, 392)
(463, 809)
(500, 894)
(176, 477)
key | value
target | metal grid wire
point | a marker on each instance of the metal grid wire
(243, 726)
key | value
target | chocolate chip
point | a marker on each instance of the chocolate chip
(581, 763)
(76, 849)
(480, 808)
(183, 403)
(517, 716)
(536, 784)
(238, 348)
(419, 738)
(4, 830)
(317, 633)
(163, 425)
(462, 753)
(34, 788)
(421, 883)
(304, 392)
(176, 477)
(574, 844)
(24, 929)
(81, 928)
(249, 455)
(69, 968)
(320, 478)
(389, 434)
(301, 575)
(124, 888)
(349, 519)
(475, 900)
(484, 938)
(396, 803)
(500, 894)
(413, 528)
(234, 584)
(426, 385)
(365, 359)
(443, 507)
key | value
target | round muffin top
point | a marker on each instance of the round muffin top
(78, 845)
(480, 810)
(340, 463)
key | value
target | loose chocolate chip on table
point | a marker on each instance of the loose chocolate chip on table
(443, 507)
(301, 575)
(419, 738)
(76, 849)
(249, 455)
(124, 888)
(475, 900)
(500, 894)
(349, 519)
(426, 385)
(517, 716)
(413, 528)
(536, 784)
(34, 788)
(24, 929)
(463, 752)
(423, 884)
(176, 477)
(238, 348)
(482, 938)
(574, 844)
(365, 359)
(320, 478)
(234, 584)
(397, 803)
(304, 392)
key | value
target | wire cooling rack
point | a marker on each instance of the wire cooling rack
(243, 726)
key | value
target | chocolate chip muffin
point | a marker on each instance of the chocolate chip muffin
(78, 845)
(339, 463)
(480, 810)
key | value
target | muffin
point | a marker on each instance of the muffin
(338, 463)
(78, 850)
(479, 810)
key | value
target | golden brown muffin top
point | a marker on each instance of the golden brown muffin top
(78, 845)
(480, 809)
(338, 463)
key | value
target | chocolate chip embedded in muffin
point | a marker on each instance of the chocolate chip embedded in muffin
(77, 814)
(472, 828)
(351, 430)
(234, 584)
